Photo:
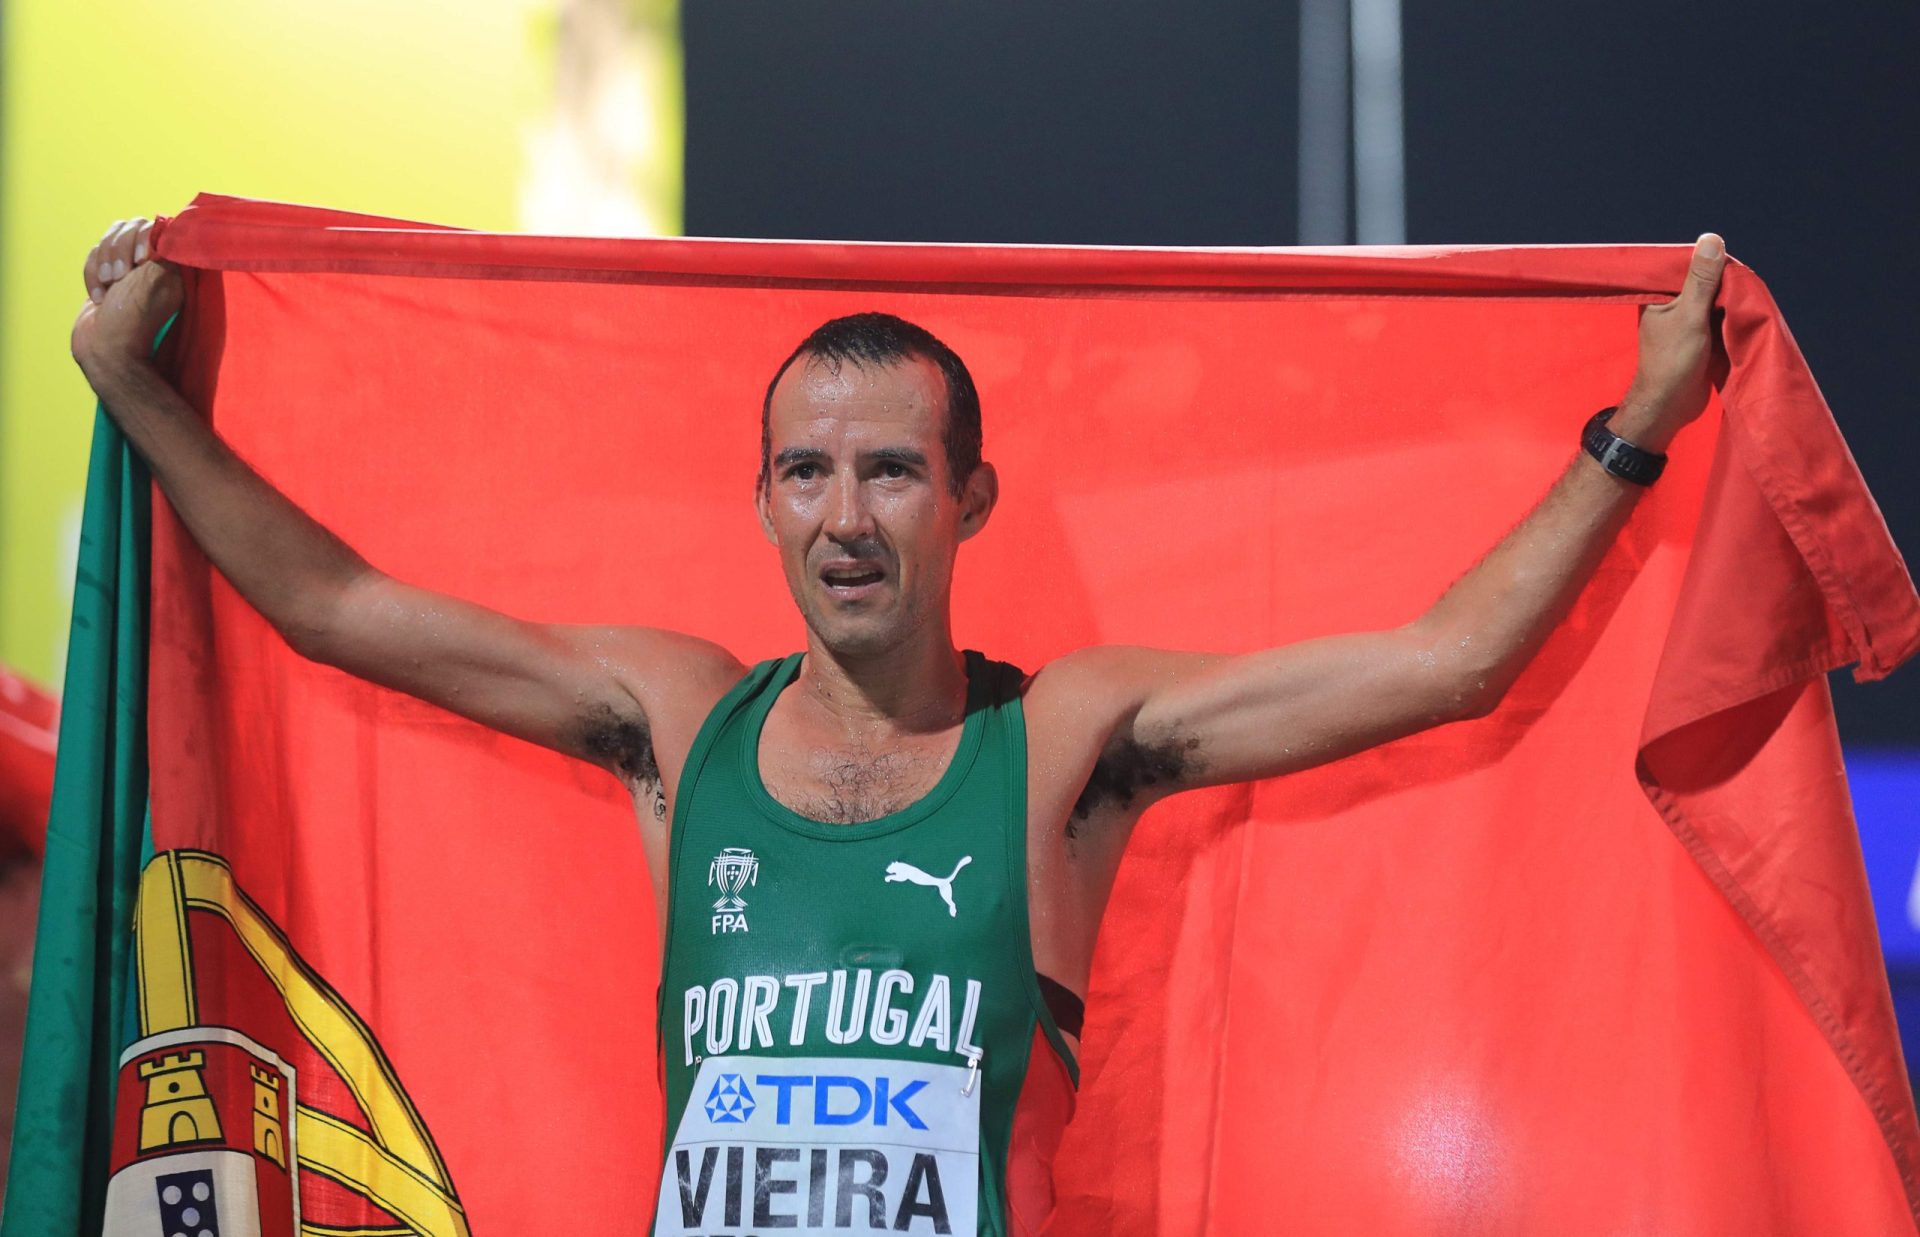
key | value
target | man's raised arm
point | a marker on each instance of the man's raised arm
(575, 689)
(1217, 719)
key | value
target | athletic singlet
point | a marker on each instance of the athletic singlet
(852, 1034)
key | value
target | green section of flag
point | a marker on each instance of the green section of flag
(82, 992)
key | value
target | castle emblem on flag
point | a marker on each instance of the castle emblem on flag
(732, 870)
(218, 1134)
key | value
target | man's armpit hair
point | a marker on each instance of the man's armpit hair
(621, 740)
(1129, 766)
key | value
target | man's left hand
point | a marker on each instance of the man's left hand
(1671, 384)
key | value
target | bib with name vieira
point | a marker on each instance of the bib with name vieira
(855, 1038)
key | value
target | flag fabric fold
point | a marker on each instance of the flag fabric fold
(1601, 962)
(82, 963)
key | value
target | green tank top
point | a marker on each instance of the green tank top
(849, 1014)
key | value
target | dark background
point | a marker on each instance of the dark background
(1787, 128)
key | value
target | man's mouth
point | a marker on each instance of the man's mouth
(851, 579)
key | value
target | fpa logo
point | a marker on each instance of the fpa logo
(732, 870)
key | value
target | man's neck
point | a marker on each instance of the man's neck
(917, 687)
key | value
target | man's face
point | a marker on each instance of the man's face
(858, 500)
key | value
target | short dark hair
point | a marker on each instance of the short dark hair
(881, 339)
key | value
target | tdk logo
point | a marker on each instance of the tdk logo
(819, 1100)
(729, 1103)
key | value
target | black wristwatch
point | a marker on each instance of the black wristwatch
(1617, 455)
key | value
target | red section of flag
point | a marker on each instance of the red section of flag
(1602, 961)
(29, 729)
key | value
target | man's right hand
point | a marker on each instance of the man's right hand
(629, 699)
(129, 299)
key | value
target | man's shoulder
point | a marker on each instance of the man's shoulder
(1089, 772)
(1092, 689)
(1103, 669)
(670, 671)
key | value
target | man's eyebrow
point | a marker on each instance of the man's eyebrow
(905, 455)
(789, 456)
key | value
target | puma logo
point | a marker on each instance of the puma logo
(901, 870)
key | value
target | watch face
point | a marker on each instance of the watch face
(1623, 459)
(1616, 454)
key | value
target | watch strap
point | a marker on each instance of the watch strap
(1617, 455)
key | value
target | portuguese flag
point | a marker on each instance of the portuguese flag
(317, 958)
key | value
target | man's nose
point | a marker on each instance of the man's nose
(848, 519)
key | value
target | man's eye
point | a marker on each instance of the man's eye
(893, 469)
(804, 472)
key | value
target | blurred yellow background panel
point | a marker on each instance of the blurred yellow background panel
(537, 115)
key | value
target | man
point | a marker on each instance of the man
(899, 1055)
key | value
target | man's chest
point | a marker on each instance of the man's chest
(845, 781)
(1081, 796)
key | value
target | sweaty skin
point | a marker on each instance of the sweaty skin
(867, 524)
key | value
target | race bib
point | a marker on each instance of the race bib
(826, 1145)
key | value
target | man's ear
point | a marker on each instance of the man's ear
(977, 499)
(763, 507)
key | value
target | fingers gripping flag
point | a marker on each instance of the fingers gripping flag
(1600, 962)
